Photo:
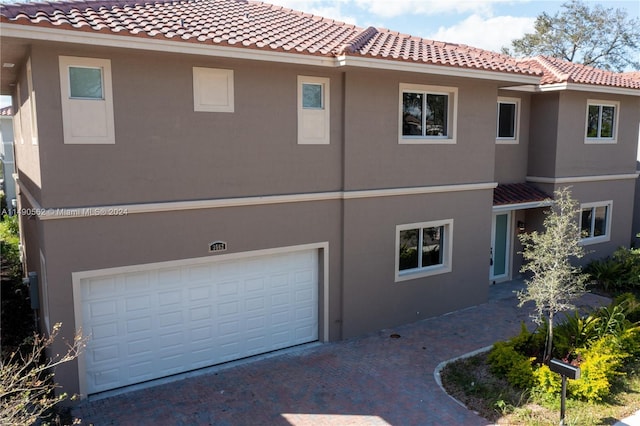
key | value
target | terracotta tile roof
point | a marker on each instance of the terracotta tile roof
(235, 23)
(252, 24)
(633, 75)
(559, 71)
(385, 44)
(518, 193)
(6, 112)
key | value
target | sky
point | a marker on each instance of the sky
(487, 24)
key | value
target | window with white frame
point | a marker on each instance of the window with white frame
(595, 222)
(87, 100)
(602, 121)
(423, 249)
(314, 124)
(427, 114)
(508, 120)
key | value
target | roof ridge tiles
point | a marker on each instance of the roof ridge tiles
(358, 41)
(551, 67)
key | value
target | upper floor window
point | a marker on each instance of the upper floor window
(85, 83)
(602, 121)
(312, 96)
(427, 114)
(423, 249)
(508, 120)
(87, 100)
(314, 119)
(595, 222)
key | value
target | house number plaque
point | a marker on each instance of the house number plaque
(217, 246)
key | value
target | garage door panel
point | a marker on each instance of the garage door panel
(155, 323)
(99, 288)
(199, 273)
(108, 378)
(136, 282)
(168, 277)
(103, 331)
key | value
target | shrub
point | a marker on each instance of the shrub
(617, 273)
(605, 273)
(16, 316)
(10, 246)
(600, 364)
(546, 381)
(631, 305)
(574, 332)
(506, 362)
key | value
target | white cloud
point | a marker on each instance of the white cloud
(331, 9)
(389, 9)
(485, 33)
(332, 13)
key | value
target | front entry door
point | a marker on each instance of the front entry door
(500, 246)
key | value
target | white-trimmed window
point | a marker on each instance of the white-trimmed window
(213, 90)
(602, 121)
(87, 100)
(423, 249)
(508, 126)
(595, 222)
(427, 114)
(314, 123)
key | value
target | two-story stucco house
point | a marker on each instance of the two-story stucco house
(206, 180)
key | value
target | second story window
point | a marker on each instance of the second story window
(508, 120)
(314, 115)
(602, 119)
(87, 100)
(85, 83)
(427, 114)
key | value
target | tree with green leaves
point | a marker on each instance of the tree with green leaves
(599, 37)
(554, 282)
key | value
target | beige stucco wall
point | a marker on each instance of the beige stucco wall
(575, 157)
(27, 154)
(621, 193)
(375, 159)
(166, 151)
(511, 159)
(543, 135)
(557, 147)
(372, 299)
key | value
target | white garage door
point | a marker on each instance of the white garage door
(155, 323)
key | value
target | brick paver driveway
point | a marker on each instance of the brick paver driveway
(371, 380)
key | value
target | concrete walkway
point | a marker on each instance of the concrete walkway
(371, 380)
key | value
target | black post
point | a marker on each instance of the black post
(562, 399)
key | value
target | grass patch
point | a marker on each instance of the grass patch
(470, 381)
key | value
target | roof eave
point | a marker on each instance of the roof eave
(424, 68)
(522, 206)
(588, 88)
(29, 32)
